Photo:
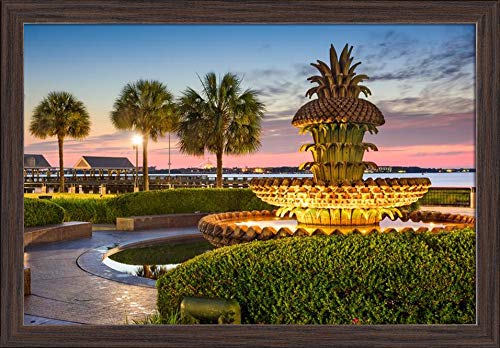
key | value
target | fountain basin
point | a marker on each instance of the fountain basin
(241, 227)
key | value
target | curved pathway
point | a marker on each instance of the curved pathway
(63, 292)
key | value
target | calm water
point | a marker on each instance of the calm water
(130, 269)
(173, 253)
(437, 179)
(386, 223)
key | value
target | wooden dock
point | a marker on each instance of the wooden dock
(121, 182)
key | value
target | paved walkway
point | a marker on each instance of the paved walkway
(63, 292)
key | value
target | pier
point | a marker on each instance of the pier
(118, 181)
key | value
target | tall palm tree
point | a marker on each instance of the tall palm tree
(60, 114)
(221, 119)
(148, 108)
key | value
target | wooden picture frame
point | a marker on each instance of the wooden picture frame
(484, 14)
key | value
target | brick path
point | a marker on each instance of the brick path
(62, 291)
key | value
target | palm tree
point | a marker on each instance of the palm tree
(221, 119)
(146, 107)
(60, 114)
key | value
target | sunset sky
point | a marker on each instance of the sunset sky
(421, 78)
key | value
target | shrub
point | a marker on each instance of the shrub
(39, 212)
(447, 196)
(181, 200)
(392, 278)
(95, 210)
(187, 200)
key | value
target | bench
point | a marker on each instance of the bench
(147, 222)
(57, 233)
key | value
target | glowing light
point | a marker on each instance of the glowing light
(137, 140)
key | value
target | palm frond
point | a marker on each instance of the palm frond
(60, 114)
(147, 107)
(220, 117)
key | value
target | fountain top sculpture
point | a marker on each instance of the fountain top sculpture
(338, 89)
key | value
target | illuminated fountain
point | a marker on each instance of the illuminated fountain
(336, 199)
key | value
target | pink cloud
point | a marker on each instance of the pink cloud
(460, 155)
(279, 150)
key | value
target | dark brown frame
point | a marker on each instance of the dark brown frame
(484, 14)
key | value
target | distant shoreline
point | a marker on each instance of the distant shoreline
(294, 171)
(454, 179)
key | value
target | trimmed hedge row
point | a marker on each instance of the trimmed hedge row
(392, 278)
(187, 200)
(95, 210)
(181, 200)
(39, 212)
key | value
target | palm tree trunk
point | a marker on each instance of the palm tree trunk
(145, 171)
(219, 168)
(60, 141)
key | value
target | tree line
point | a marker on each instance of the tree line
(221, 118)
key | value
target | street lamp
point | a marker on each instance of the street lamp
(169, 163)
(136, 141)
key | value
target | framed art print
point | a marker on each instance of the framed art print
(253, 174)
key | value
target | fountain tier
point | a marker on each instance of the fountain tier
(343, 203)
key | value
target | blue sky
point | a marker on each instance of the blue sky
(421, 77)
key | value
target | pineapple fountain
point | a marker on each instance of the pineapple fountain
(337, 199)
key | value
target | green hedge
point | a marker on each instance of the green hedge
(39, 212)
(186, 200)
(447, 196)
(394, 278)
(181, 200)
(95, 210)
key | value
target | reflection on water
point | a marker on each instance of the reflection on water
(132, 269)
(161, 256)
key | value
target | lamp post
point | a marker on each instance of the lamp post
(169, 163)
(136, 141)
